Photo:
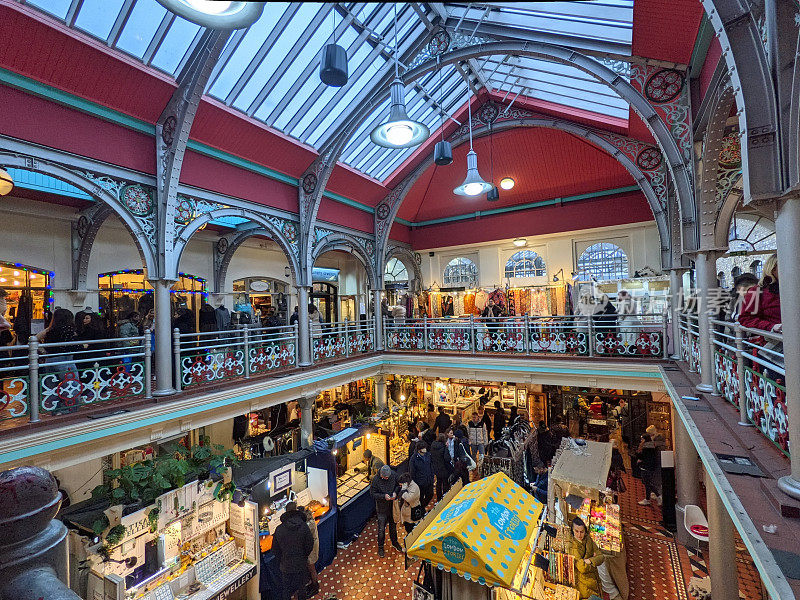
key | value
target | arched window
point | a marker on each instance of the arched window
(525, 263)
(735, 272)
(721, 279)
(395, 271)
(603, 260)
(460, 271)
(757, 268)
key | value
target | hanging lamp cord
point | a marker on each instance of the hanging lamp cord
(396, 47)
(469, 111)
(441, 95)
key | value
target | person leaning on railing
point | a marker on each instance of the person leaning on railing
(761, 308)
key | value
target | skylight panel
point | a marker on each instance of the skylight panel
(97, 17)
(142, 25)
(175, 45)
(57, 8)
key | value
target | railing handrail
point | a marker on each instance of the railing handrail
(139, 338)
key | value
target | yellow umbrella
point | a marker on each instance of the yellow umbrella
(482, 535)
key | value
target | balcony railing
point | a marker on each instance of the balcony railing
(203, 358)
(690, 340)
(333, 341)
(641, 336)
(749, 373)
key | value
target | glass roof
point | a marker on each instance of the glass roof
(270, 70)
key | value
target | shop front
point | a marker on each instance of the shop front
(254, 296)
(122, 292)
(29, 298)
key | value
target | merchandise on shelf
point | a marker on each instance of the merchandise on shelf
(604, 524)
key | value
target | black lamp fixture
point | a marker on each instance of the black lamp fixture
(473, 185)
(443, 151)
(399, 131)
(287, 272)
(333, 66)
(556, 278)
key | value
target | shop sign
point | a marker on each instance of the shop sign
(457, 510)
(281, 479)
(259, 285)
(453, 550)
(505, 521)
(235, 585)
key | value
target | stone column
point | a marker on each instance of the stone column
(706, 272)
(306, 421)
(376, 310)
(303, 332)
(721, 547)
(33, 553)
(163, 336)
(687, 475)
(787, 231)
(675, 290)
(380, 392)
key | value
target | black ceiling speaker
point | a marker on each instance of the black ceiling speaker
(443, 153)
(493, 194)
(333, 67)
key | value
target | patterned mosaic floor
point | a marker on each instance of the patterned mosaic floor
(658, 567)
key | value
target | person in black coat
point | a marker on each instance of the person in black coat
(605, 319)
(421, 470)
(441, 464)
(499, 419)
(442, 421)
(383, 490)
(292, 543)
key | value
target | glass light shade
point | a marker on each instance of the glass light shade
(506, 183)
(519, 242)
(473, 184)
(399, 131)
(216, 14)
(6, 183)
(210, 7)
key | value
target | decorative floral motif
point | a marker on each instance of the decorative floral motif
(137, 199)
(184, 210)
(13, 397)
(664, 85)
(369, 246)
(488, 113)
(407, 337)
(645, 343)
(439, 43)
(272, 357)
(290, 231)
(309, 183)
(211, 366)
(544, 340)
(83, 226)
(730, 157)
(66, 392)
(725, 369)
(766, 406)
(222, 245)
(168, 130)
(383, 211)
(649, 159)
(456, 337)
(509, 338)
(329, 347)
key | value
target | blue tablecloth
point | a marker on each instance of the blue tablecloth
(354, 515)
(271, 579)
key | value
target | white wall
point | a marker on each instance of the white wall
(79, 480)
(640, 242)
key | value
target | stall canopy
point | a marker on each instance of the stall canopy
(483, 533)
(582, 470)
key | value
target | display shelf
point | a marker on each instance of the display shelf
(604, 524)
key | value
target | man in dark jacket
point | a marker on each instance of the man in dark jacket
(441, 465)
(499, 419)
(422, 473)
(442, 421)
(292, 543)
(383, 490)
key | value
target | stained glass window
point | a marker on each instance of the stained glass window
(461, 271)
(525, 263)
(602, 261)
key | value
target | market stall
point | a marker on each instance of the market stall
(307, 477)
(254, 296)
(482, 540)
(29, 297)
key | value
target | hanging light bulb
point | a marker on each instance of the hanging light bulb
(399, 131)
(473, 184)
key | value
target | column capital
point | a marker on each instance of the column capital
(306, 402)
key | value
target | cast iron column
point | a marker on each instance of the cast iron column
(687, 475)
(163, 327)
(380, 392)
(33, 552)
(306, 421)
(705, 266)
(787, 232)
(721, 547)
(303, 330)
(376, 310)
(675, 292)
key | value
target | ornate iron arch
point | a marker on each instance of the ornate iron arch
(315, 178)
(102, 189)
(233, 242)
(285, 239)
(405, 255)
(347, 243)
(643, 162)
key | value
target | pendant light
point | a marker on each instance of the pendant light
(399, 131)
(443, 151)
(493, 195)
(474, 184)
(333, 66)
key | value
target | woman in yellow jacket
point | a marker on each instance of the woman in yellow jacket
(587, 557)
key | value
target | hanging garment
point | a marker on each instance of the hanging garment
(512, 302)
(481, 299)
(469, 303)
(499, 298)
(447, 306)
(525, 302)
(458, 305)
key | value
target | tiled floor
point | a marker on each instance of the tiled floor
(658, 567)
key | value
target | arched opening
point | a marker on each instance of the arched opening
(460, 272)
(601, 262)
(751, 240)
(525, 264)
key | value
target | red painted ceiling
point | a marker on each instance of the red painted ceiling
(545, 163)
(666, 30)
